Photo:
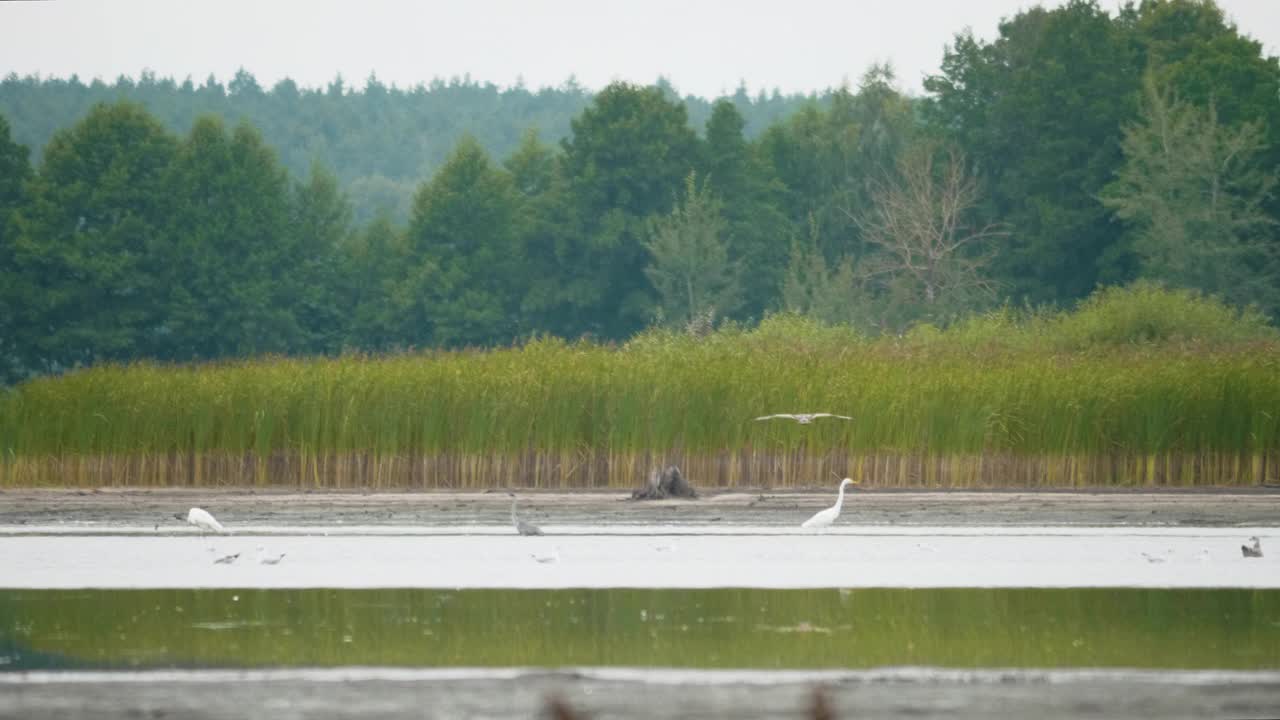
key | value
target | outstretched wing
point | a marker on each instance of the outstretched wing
(788, 416)
(842, 417)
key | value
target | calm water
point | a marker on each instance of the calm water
(682, 628)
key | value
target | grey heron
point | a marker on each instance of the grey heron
(522, 527)
(1252, 550)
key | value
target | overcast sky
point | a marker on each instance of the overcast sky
(705, 47)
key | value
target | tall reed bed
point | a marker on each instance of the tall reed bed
(933, 409)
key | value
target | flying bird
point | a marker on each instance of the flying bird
(522, 527)
(802, 418)
(824, 518)
(203, 520)
(1254, 550)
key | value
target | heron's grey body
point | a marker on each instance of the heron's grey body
(1253, 550)
(802, 418)
(522, 527)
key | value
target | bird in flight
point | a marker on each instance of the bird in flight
(802, 418)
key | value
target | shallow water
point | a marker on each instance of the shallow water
(685, 628)
(658, 557)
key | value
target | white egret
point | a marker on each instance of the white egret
(1253, 550)
(828, 516)
(522, 527)
(802, 418)
(203, 520)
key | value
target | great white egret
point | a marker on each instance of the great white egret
(1253, 550)
(522, 527)
(203, 520)
(802, 418)
(828, 516)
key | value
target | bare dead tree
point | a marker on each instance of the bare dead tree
(920, 220)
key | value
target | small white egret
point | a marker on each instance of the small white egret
(203, 520)
(226, 559)
(1252, 550)
(522, 527)
(802, 418)
(826, 517)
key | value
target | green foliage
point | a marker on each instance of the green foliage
(1039, 109)
(229, 261)
(1195, 192)
(626, 160)
(463, 285)
(1146, 313)
(15, 171)
(86, 287)
(691, 270)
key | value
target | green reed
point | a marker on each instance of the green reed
(988, 401)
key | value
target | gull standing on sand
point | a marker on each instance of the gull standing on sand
(1252, 550)
(828, 516)
(522, 527)
(802, 418)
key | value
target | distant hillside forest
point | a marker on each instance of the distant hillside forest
(1078, 148)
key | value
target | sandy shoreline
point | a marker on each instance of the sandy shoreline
(1110, 508)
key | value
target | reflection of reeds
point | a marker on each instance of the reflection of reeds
(552, 414)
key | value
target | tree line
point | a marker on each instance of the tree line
(1077, 148)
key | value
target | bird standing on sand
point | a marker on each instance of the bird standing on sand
(203, 520)
(522, 527)
(802, 418)
(828, 516)
(1254, 550)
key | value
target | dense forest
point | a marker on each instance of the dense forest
(1078, 148)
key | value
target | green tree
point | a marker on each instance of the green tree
(84, 249)
(1194, 190)
(463, 284)
(1039, 111)
(373, 263)
(626, 160)
(757, 228)
(230, 257)
(15, 172)
(691, 270)
(321, 223)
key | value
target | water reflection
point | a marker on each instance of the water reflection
(721, 628)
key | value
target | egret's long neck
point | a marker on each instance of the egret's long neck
(840, 497)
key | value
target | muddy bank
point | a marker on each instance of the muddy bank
(522, 694)
(150, 508)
